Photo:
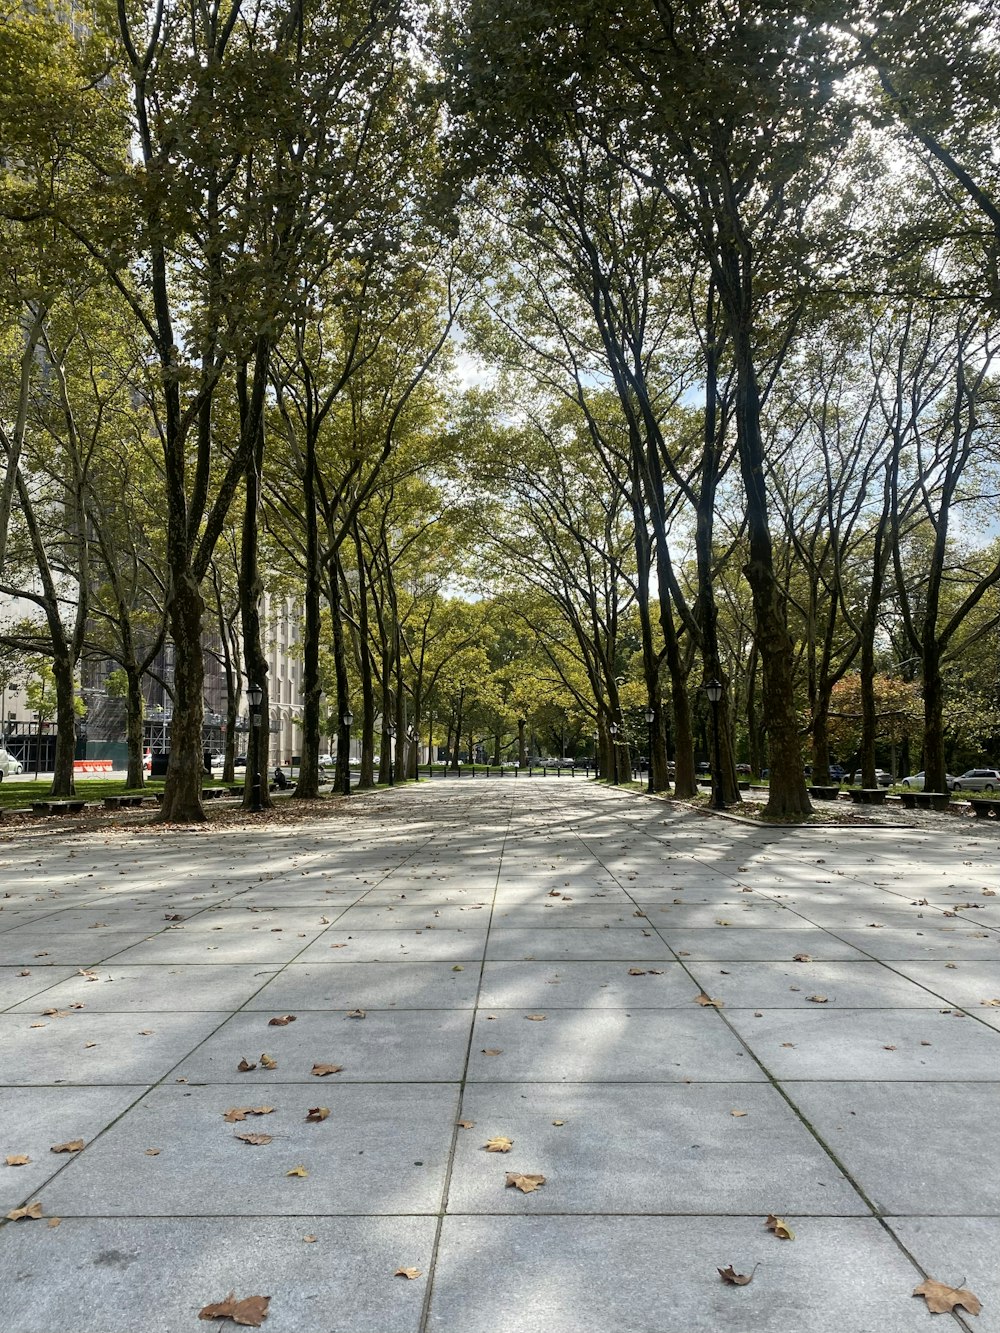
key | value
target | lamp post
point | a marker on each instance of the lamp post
(650, 716)
(390, 731)
(597, 754)
(613, 733)
(411, 736)
(713, 688)
(255, 696)
(347, 722)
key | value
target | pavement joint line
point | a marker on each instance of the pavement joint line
(425, 1309)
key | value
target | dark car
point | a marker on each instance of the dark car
(240, 761)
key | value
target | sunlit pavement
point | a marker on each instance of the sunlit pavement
(516, 959)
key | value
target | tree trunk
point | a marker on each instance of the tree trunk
(307, 786)
(343, 769)
(182, 791)
(522, 754)
(62, 674)
(134, 710)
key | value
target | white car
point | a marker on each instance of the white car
(978, 779)
(328, 761)
(9, 766)
(916, 781)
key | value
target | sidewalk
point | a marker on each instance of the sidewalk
(527, 957)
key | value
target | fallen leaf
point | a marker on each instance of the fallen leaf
(733, 1278)
(559, 1122)
(540, 1018)
(152, 1152)
(87, 1045)
(17, 1159)
(458, 968)
(251, 1311)
(411, 1273)
(236, 1113)
(356, 1013)
(992, 1004)
(942, 1299)
(297, 1171)
(780, 1227)
(173, 916)
(245, 1066)
(705, 1000)
(317, 1113)
(637, 972)
(55, 1013)
(737, 1113)
(146, 1032)
(499, 1144)
(321, 1071)
(719, 922)
(74, 1145)
(492, 1050)
(465, 1124)
(256, 1140)
(33, 1210)
(266, 1062)
(524, 1183)
(54, 1221)
(38, 1025)
(309, 1240)
(818, 999)
(802, 958)
(281, 1022)
(888, 1048)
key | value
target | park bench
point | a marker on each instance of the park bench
(122, 802)
(867, 795)
(984, 808)
(824, 793)
(57, 807)
(925, 800)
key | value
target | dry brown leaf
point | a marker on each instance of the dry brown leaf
(492, 1050)
(317, 1113)
(297, 1171)
(54, 1221)
(33, 1210)
(637, 971)
(55, 1013)
(780, 1227)
(321, 1071)
(524, 1183)
(705, 1001)
(737, 1113)
(465, 1124)
(818, 999)
(88, 1045)
(802, 958)
(152, 1152)
(733, 1278)
(991, 1004)
(250, 1311)
(256, 1140)
(719, 922)
(559, 1122)
(540, 1018)
(942, 1299)
(356, 1013)
(499, 1144)
(74, 1145)
(245, 1066)
(17, 1159)
(267, 1062)
(236, 1113)
(281, 1022)
(309, 1240)
(411, 1273)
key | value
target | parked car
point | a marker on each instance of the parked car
(916, 781)
(216, 760)
(240, 761)
(9, 766)
(977, 779)
(837, 772)
(328, 761)
(883, 778)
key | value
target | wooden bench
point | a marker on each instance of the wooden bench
(122, 802)
(984, 808)
(57, 807)
(867, 795)
(824, 793)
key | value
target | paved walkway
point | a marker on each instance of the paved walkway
(527, 957)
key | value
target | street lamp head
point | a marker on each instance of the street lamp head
(390, 730)
(713, 688)
(255, 694)
(650, 716)
(411, 733)
(347, 718)
(613, 728)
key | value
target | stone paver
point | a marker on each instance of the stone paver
(519, 959)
